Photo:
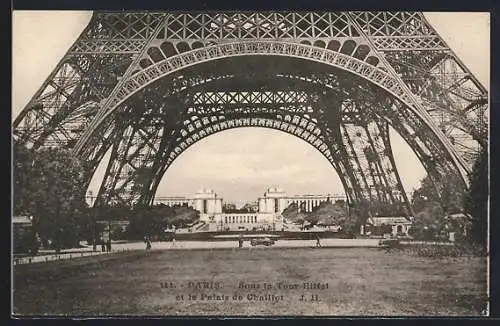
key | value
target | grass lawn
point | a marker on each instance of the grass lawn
(359, 281)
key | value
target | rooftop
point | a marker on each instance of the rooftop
(21, 220)
(377, 220)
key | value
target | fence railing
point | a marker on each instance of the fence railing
(63, 256)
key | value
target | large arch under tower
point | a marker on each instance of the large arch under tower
(149, 85)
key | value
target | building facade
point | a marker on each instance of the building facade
(276, 200)
(400, 225)
(245, 222)
(265, 215)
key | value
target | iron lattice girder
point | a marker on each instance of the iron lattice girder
(423, 141)
(273, 25)
(68, 101)
(117, 33)
(153, 116)
(121, 32)
(198, 124)
(191, 134)
(102, 116)
(94, 76)
(130, 151)
(162, 68)
(454, 98)
(304, 129)
(298, 126)
(400, 27)
(338, 87)
(390, 49)
(377, 76)
(367, 149)
(394, 31)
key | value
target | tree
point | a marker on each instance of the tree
(148, 220)
(328, 213)
(153, 220)
(453, 194)
(229, 208)
(136, 229)
(352, 223)
(292, 214)
(248, 208)
(450, 197)
(424, 194)
(476, 200)
(116, 232)
(108, 213)
(23, 160)
(50, 185)
(183, 215)
(432, 208)
(429, 222)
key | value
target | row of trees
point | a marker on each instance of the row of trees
(153, 220)
(327, 213)
(231, 208)
(143, 220)
(453, 209)
(463, 211)
(49, 186)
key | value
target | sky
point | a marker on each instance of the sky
(239, 164)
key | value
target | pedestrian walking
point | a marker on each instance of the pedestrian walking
(318, 244)
(108, 245)
(148, 244)
(240, 241)
(103, 247)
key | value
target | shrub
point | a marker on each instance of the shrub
(438, 251)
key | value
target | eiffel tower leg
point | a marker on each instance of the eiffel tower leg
(130, 163)
(435, 159)
(401, 199)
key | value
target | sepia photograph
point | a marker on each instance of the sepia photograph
(250, 163)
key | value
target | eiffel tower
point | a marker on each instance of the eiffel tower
(148, 85)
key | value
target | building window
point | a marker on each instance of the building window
(225, 219)
(204, 206)
(276, 205)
